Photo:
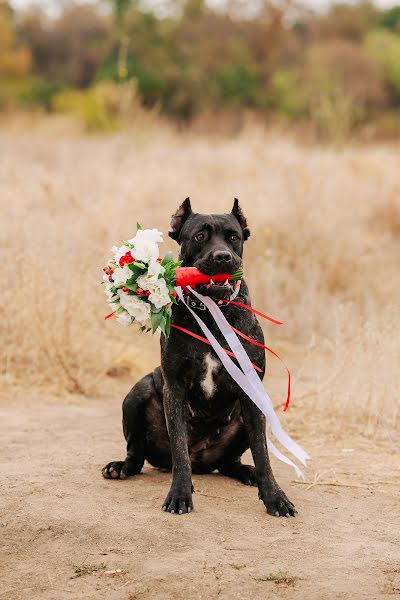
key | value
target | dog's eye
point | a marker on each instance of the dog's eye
(199, 237)
(234, 237)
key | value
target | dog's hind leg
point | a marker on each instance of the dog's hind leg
(134, 426)
(234, 469)
(230, 465)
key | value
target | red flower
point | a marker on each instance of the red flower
(159, 259)
(147, 292)
(139, 291)
(174, 294)
(128, 258)
(125, 289)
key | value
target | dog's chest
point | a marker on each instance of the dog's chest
(211, 366)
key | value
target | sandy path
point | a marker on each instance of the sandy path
(57, 511)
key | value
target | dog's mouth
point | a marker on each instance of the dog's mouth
(219, 291)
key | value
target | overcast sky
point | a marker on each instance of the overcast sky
(54, 5)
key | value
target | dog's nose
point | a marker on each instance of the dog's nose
(222, 256)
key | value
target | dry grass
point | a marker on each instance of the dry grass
(280, 577)
(323, 255)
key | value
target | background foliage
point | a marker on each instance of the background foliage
(338, 71)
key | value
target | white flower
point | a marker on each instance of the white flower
(146, 251)
(155, 268)
(107, 290)
(124, 318)
(159, 294)
(149, 280)
(145, 244)
(136, 307)
(121, 275)
(148, 235)
(119, 252)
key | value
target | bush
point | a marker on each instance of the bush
(38, 92)
(342, 83)
(103, 107)
(239, 83)
(97, 107)
(287, 95)
(384, 47)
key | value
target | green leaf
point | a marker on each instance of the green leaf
(167, 317)
(162, 325)
(155, 310)
(132, 286)
(168, 258)
(139, 265)
(156, 319)
(138, 226)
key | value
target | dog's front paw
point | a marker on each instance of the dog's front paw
(178, 501)
(114, 470)
(278, 504)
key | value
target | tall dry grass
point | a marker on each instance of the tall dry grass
(324, 255)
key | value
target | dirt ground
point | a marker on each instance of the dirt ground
(67, 533)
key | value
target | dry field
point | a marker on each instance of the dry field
(324, 256)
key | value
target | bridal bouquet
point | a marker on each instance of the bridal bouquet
(140, 285)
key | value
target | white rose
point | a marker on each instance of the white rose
(107, 290)
(145, 244)
(155, 268)
(136, 307)
(146, 324)
(150, 280)
(121, 275)
(147, 235)
(146, 251)
(124, 318)
(159, 294)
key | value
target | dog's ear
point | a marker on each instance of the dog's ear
(238, 213)
(179, 219)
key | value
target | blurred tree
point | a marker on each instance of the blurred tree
(15, 59)
(338, 68)
(343, 20)
(390, 19)
(69, 49)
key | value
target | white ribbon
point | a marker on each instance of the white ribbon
(247, 379)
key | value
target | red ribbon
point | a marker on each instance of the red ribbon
(254, 310)
(206, 341)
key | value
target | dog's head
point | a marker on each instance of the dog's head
(212, 243)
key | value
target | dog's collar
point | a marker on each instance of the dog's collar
(193, 302)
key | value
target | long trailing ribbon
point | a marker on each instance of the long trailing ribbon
(252, 341)
(247, 379)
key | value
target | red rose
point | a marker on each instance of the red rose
(128, 258)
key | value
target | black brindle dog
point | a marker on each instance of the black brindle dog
(189, 415)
